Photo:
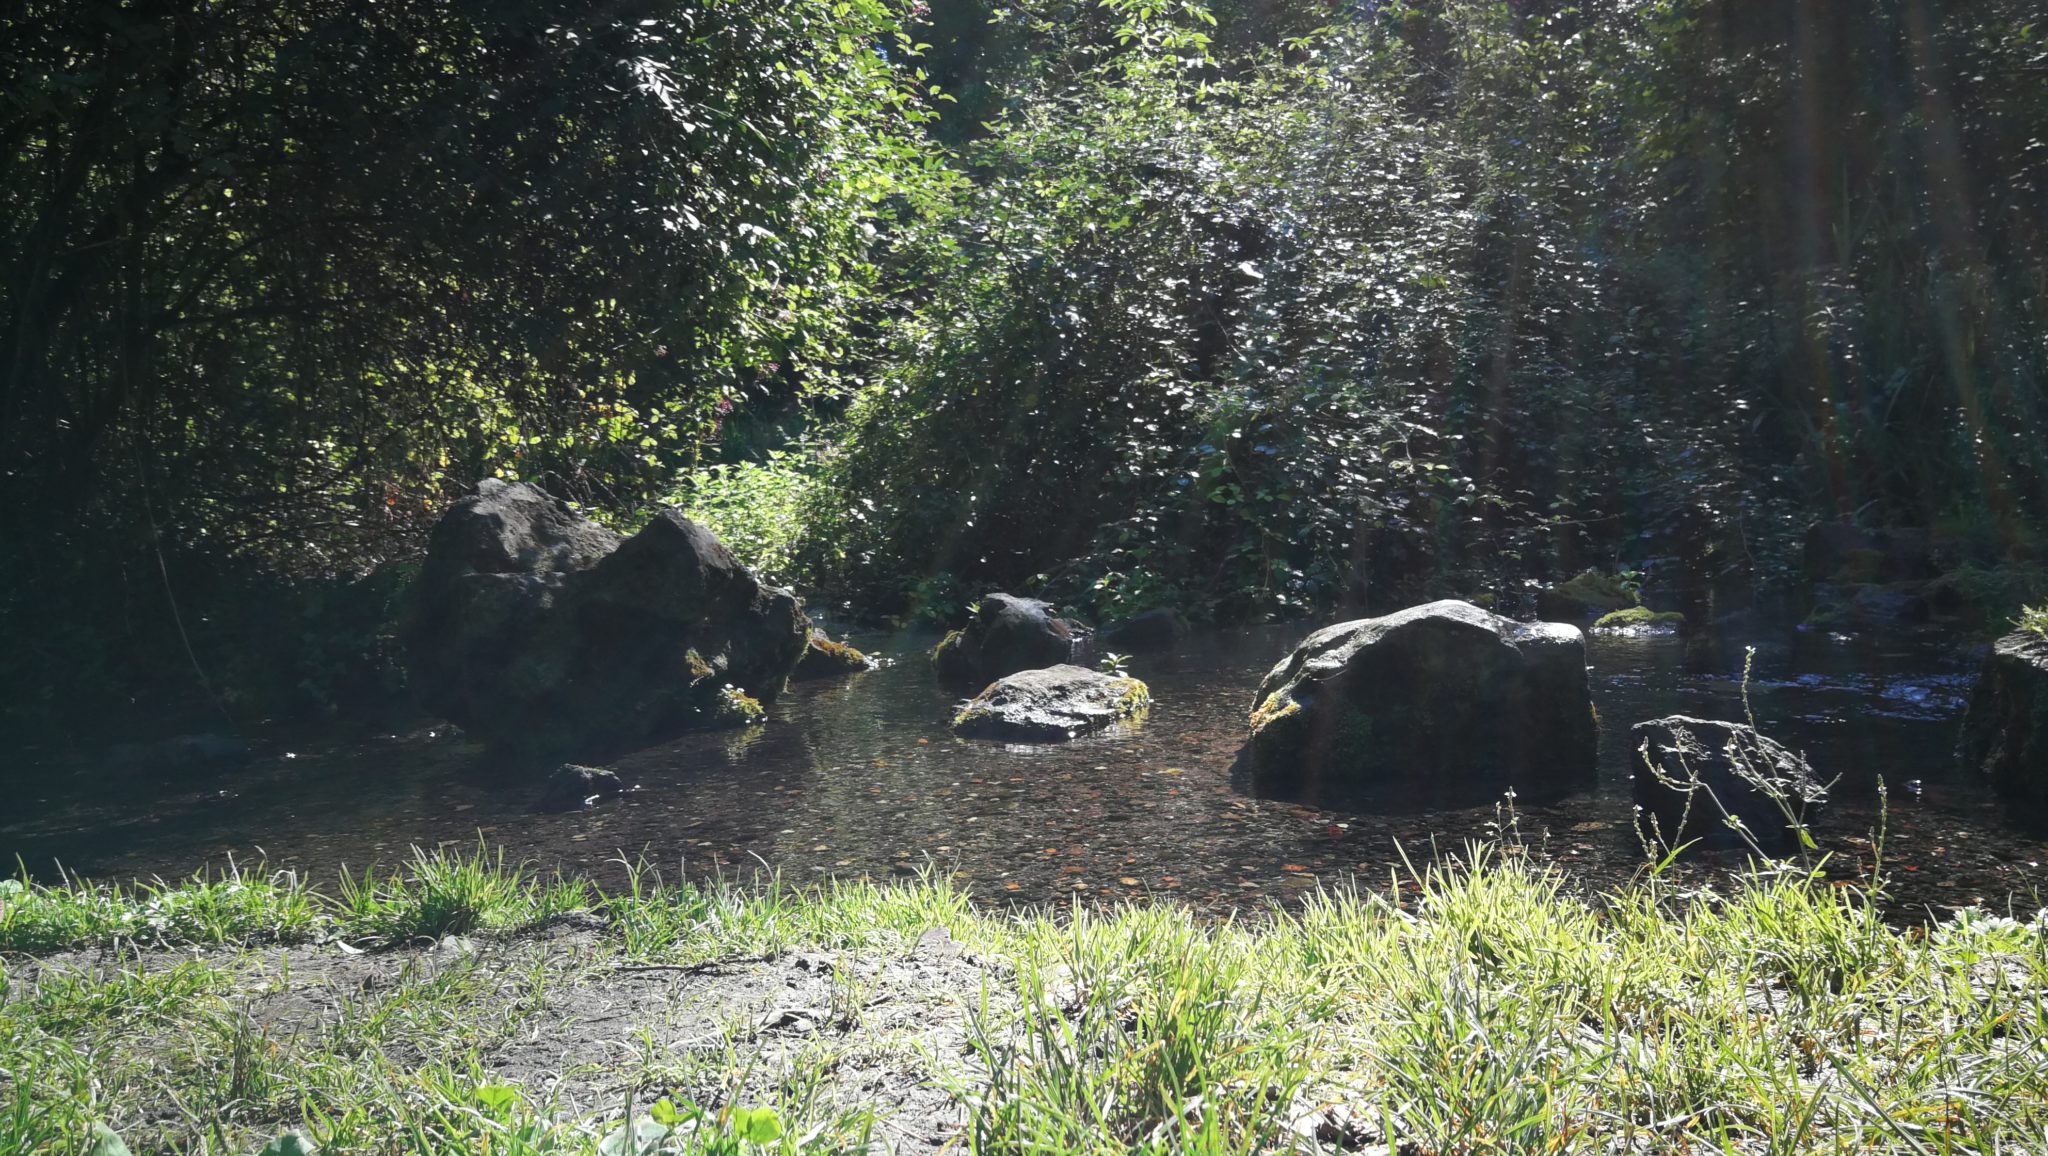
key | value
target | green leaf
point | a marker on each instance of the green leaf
(641, 1139)
(497, 1098)
(106, 1142)
(757, 1125)
(288, 1144)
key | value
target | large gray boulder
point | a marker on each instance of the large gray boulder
(1051, 705)
(1006, 635)
(1691, 775)
(1443, 705)
(537, 630)
(2005, 733)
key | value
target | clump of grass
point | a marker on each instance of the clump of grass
(691, 922)
(443, 892)
(234, 905)
(2033, 621)
(1478, 1007)
(1471, 1005)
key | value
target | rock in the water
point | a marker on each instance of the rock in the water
(2005, 734)
(536, 629)
(824, 658)
(1849, 555)
(1007, 634)
(1437, 705)
(1690, 775)
(182, 755)
(1051, 705)
(1867, 608)
(570, 787)
(1584, 598)
(1152, 630)
(1640, 622)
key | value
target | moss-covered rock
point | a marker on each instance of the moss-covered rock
(1585, 597)
(1639, 620)
(733, 708)
(824, 658)
(1438, 705)
(1052, 705)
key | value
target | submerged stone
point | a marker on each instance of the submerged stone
(1440, 705)
(570, 787)
(1051, 705)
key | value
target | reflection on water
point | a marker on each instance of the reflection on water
(861, 777)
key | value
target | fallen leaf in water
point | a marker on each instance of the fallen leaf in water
(1128, 881)
(1292, 867)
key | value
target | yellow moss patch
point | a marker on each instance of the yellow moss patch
(1278, 705)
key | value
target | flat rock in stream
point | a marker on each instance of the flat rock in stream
(1051, 705)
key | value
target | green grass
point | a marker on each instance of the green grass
(1465, 1007)
(2033, 621)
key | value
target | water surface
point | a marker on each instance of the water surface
(861, 777)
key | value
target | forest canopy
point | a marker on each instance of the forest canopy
(1250, 308)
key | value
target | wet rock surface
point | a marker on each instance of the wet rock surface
(824, 658)
(570, 786)
(1583, 598)
(539, 631)
(1692, 774)
(1438, 705)
(2005, 734)
(1152, 630)
(1051, 705)
(1007, 634)
(182, 755)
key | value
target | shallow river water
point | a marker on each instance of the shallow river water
(861, 777)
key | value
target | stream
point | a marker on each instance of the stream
(861, 777)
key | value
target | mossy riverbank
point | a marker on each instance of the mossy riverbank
(1471, 1006)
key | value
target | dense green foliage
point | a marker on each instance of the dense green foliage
(281, 279)
(1246, 308)
(1450, 291)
